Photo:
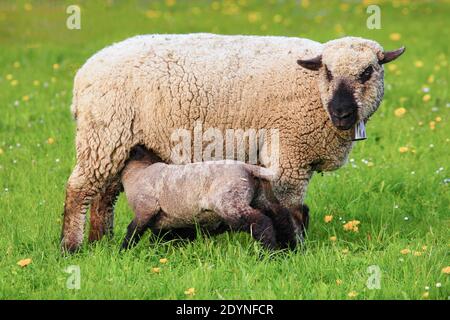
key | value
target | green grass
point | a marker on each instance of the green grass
(380, 189)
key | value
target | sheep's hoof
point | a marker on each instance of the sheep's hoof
(68, 248)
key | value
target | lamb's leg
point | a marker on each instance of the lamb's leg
(146, 211)
(135, 231)
(102, 211)
(284, 226)
(248, 219)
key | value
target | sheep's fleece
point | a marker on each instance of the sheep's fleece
(139, 90)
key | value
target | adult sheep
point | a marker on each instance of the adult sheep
(138, 91)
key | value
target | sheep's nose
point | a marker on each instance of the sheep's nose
(343, 113)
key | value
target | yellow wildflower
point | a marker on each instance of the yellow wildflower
(392, 67)
(190, 292)
(426, 98)
(305, 3)
(395, 36)
(418, 63)
(163, 260)
(328, 218)
(152, 14)
(432, 125)
(344, 6)
(254, 17)
(400, 112)
(403, 149)
(352, 294)
(405, 251)
(338, 28)
(446, 270)
(24, 262)
(50, 140)
(156, 270)
(171, 3)
(277, 18)
(333, 238)
(352, 226)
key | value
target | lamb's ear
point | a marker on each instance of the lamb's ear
(389, 56)
(311, 64)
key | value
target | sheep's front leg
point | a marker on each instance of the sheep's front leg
(102, 211)
(135, 231)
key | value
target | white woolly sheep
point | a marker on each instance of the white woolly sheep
(138, 91)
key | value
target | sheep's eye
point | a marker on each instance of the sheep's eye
(329, 75)
(363, 77)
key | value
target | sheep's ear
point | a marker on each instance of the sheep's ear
(311, 64)
(391, 55)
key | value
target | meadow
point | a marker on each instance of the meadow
(396, 183)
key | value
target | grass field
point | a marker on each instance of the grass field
(396, 183)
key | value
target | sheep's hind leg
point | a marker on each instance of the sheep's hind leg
(102, 211)
(79, 193)
(99, 160)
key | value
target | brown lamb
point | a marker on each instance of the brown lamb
(216, 195)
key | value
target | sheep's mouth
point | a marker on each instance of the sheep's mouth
(344, 121)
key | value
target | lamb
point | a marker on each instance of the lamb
(139, 91)
(217, 195)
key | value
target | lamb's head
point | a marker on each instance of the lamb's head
(351, 78)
